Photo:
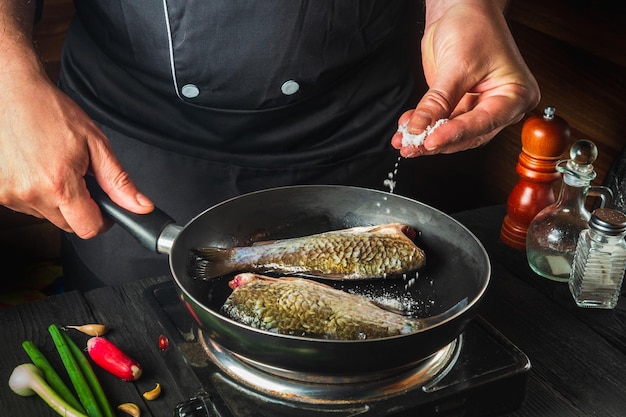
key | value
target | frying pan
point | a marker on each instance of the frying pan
(446, 292)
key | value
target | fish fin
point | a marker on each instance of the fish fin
(392, 229)
(264, 242)
(378, 228)
(388, 307)
(208, 263)
(257, 276)
(327, 277)
(311, 281)
(395, 229)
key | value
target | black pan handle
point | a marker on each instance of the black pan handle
(145, 228)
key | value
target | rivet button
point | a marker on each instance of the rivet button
(290, 87)
(190, 91)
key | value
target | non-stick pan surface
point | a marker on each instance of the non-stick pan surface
(455, 277)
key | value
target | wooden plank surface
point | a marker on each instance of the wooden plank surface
(30, 321)
(595, 26)
(133, 328)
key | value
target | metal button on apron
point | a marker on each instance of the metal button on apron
(290, 87)
(190, 90)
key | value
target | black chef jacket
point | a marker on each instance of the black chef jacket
(207, 99)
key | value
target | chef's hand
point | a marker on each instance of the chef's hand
(47, 146)
(477, 78)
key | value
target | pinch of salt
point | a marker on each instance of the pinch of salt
(409, 139)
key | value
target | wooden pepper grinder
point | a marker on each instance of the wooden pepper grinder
(544, 139)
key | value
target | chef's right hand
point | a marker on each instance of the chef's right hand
(47, 145)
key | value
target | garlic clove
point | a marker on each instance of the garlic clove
(153, 394)
(130, 409)
(91, 329)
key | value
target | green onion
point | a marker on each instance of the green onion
(53, 378)
(26, 380)
(90, 376)
(81, 386)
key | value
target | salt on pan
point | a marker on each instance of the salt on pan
(409, 139)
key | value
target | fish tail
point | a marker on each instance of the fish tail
(209, 263)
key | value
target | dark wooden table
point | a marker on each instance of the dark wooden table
(578, 355)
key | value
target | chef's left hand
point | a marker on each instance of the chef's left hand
(477, 78)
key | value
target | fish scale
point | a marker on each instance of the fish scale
(355, 253)
(302, 307)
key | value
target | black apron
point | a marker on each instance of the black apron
(205, 100)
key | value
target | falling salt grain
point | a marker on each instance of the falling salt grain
(409, 284)
(390, 182)
(410, 139)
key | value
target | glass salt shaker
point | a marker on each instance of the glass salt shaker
(553, 233)
(600, 260)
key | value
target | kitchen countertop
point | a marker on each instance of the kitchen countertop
(578, 356)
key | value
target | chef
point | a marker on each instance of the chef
(184, 104)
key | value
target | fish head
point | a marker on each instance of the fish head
(408, 231)
(244, 278)
(240, 279)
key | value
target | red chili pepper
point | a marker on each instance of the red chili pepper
(112, 359)
(163, 343)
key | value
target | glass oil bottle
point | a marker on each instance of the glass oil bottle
(553, 233)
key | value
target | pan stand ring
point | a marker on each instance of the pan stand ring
(317, 389)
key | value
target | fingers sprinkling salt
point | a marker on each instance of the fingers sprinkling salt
(409, 139)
